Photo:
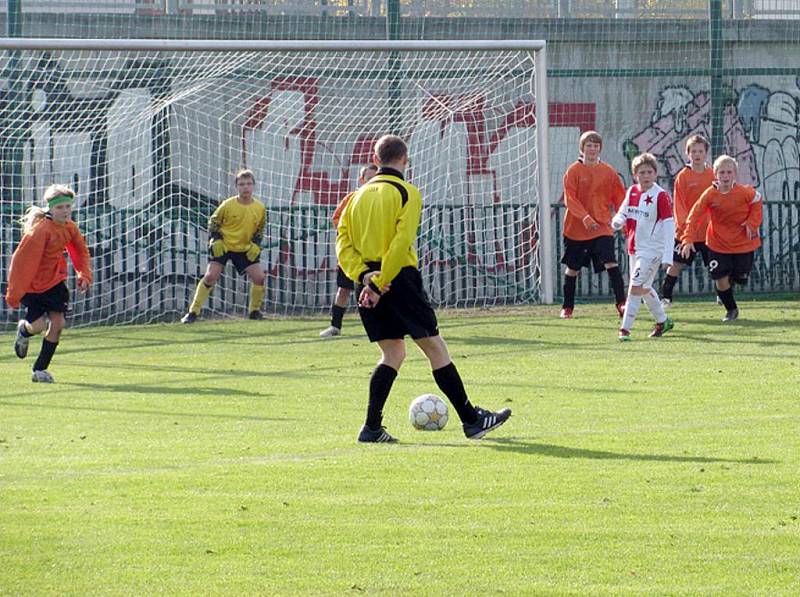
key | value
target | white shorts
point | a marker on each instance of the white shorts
(643, 270)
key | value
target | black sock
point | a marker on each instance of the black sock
(25, 333)
(380, 384)
(570, 282)
(668, 286)
(617, 285)
(45, 355)
(726, 296)
(337, 314)
(449, 382)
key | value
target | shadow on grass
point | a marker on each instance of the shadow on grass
(157, 413)
(202, 374)
(554, 451)
(149, 389)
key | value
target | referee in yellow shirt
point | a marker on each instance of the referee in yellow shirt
(375, 247)
(235, 232)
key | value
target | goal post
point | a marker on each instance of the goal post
(151, 132)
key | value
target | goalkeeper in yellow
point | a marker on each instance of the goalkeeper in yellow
(235, 232)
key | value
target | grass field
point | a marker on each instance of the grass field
(220, 458)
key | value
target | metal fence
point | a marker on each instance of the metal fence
(147, 264)
(509, 9)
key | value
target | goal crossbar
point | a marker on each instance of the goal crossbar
(216, 45)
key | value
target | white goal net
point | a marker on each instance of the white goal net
(150, 138)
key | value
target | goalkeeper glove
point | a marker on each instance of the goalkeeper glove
(253, 252)
(217, 247)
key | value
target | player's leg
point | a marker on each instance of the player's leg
(721, 268)
(673, 272)
(257, 290)
(344, 288)
(393, 353)
(633, 300)
(651, 299)
(475, 421)
(49, 345)
(575, 253)
(570, 285)
(603, 257)
(32, 325)
(204, 288)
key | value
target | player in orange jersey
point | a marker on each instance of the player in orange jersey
(38, 271)
(732, 237)
(690, 183)
(344, 285)
(593, 193)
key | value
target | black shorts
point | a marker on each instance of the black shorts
(40, 303)
(342, 281)
(736, 265)
(700, 248)
(239, 260)
(596, 251)
(403, 311)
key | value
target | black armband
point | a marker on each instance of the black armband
(375, 288)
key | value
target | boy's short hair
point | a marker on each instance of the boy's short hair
(695, 139)
(723, 159)
(645, 159)
(245, 173)
(362, 172)
(390, 148)
(592, 136)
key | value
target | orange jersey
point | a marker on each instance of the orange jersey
(730, 215)
(38, 264)
(337, 213)
(689, 185)
(591, 193)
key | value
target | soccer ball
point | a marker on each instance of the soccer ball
(428, 413)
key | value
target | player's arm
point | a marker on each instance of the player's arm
(24, 266)
(350, 260)
(693, 221)
(619, 219)
(754, 216)
(216, 244)
(254, 249)
(695, 216)
(404, 237)
(665, 227)
(81, 260)
(681, 206)
(337, 213)
(617, 192)
(575, 207)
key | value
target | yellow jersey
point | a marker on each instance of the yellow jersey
(378, 228)
(238, 223)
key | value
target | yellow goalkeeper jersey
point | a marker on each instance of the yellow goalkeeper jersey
(238, 224)
(379, 225)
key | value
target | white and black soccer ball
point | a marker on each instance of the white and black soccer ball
(428, 413)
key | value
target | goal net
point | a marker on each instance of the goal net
(150, 134)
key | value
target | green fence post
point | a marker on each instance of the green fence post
(393, 64)
(12, 144)
(715, 63)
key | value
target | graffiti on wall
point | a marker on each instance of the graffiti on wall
(762, 131)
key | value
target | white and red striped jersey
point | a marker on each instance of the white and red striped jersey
(648, 222)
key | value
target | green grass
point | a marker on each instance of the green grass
(220, 458)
